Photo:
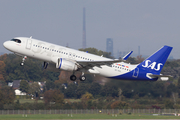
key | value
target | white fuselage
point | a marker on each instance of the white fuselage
(50, 52)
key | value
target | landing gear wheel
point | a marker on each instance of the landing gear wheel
(22, 64)
(73, 77)
(82, 78)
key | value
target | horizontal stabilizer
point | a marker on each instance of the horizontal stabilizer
(160, 77)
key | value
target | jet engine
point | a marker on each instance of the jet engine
(65, 64)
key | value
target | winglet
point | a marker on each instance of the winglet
(127, 55)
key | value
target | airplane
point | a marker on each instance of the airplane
(68, 59)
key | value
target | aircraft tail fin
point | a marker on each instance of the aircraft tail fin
(155, 62)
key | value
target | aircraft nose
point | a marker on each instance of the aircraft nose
(5, 44)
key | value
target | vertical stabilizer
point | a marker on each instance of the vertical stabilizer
(155, 62)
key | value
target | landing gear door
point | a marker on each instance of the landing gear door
(28, 43)
(136, 72)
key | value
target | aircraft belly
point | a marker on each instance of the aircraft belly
(111, 71)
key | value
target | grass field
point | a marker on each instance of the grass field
(81, 116)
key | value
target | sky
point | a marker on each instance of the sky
(149, 24)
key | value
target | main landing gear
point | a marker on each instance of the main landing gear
(23, 60)
(73, 77)
(81, 78)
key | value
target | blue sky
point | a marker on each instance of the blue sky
(149, 24)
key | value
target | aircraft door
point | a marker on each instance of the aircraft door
(28, 43)
(136, 72)
(70, 55)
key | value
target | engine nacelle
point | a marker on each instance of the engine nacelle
(67, 65)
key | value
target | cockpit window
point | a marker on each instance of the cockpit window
(16, 40)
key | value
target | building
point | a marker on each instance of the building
(109, 46)
(15, 85)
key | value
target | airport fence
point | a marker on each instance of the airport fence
(93, 111)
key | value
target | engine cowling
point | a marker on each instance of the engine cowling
(67, 65)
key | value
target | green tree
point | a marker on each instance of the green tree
(94, 89)
(50, 85)
(7, 95)
(158, 89)
(58, 97)
(2, 70)
(109, 89)
(53, 96)
(170, 89)
(178, 86)
(86, 100)
(119, 105)
(169, 104)
(24, 86)
(97, 52)
(81, 89)
(87, 96)
(70, 92)
(34, 89)
(132, 60)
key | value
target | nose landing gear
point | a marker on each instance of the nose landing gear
(23, 60)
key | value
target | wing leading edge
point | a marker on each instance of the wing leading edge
(90, 64)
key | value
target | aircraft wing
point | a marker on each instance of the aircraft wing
(90, 64)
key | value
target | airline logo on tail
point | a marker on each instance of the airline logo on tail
(153, 66)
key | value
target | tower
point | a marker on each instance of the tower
(84, 29)
(109, 45)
